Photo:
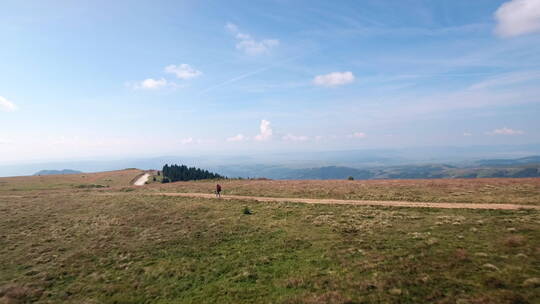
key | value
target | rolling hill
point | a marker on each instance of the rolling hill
(57, 172)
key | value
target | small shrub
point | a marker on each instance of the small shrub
(165, 180)
(247, 210)
(494, 282)
(350, 178)
(88, 186)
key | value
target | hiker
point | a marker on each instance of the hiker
(218, 190)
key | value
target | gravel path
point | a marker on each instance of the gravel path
(142, 180)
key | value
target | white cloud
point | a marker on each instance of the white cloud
(186, 141)
(291, 137)
(239, 137)
(518, 17)
(152, 84)
(249, 45)
(334, 79)
(7, 105)
(252, 47)
(4, 141)
(183, 71)
(231, 27)
(266, 131)
(505, 131)
(467, 134)
(358, 135)
(197, 141)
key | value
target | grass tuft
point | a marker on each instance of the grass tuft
(247, 211)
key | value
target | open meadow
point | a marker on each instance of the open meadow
(96, 239)
(525, 191)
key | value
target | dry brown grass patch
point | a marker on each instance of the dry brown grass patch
(331, 297)
(461, 255)
(515, 241)
(294, 282)
(14, 293)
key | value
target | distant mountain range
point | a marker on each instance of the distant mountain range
(57, 172)
(414, 162)
(491, 168)
(509, 162)
(414, 171)
(518, 167)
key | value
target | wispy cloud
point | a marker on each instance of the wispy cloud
(248, 44)
(246, 75)
(183, 71)
(7, 105)
(236, 138)
(505, 131)
(334, 79)
(518, 17)
(186, 141)
(507, 79)
(291, 137)
(467, 134)
(235, 79)
(389, 32)
(265, 131)
(358, 135)
(417, 106)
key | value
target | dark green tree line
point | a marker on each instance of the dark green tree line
(174, 173)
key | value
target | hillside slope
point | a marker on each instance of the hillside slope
(105, 179)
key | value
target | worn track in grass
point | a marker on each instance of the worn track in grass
(358, 202)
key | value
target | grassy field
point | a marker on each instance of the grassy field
(115, 245)
(107, 179)
(489, 190)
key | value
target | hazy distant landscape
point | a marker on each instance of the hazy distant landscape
(487, 168)
(57, 172)
(429, 162)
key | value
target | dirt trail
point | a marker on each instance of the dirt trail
(361, 202)
(142, 180)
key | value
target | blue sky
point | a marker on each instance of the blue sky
(83, 79)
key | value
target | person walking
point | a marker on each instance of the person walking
(218, 190)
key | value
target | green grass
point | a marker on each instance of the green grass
(153, 175)
(132, 248)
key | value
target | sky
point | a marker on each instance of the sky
(90, 79)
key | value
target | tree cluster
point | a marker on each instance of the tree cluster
(174, 173)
